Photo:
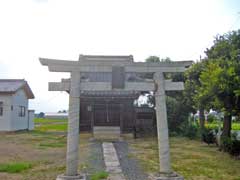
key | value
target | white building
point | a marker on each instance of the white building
(14, 112)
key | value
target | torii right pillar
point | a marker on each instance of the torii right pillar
(165, 171)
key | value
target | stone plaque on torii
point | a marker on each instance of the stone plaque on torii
(96, 64)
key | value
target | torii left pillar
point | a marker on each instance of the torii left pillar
(73, 131)
(165, 172)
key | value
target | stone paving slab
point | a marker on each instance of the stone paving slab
(111, 161)
(116, 177)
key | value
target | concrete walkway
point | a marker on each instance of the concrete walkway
(112, 163)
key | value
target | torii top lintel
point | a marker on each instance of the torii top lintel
(99, 64)
(90, 63)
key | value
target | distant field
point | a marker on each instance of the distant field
(50, 125)
(214, 125)
(43, 120)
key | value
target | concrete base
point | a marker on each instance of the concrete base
(77, 177)
(166, 176)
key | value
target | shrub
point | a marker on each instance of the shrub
(176, 114)
(189, 130)
(231, 145)
(208, 136)
(235, 149)
(211, 118)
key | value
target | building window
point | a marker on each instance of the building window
(21, 111)
(1, 108)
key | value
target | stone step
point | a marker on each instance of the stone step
(106, 132)
(106, 128)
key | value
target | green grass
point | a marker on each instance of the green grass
(52, 144)
(44, 138)
(99, 175)
(52, 128)
(236, 126)
(190, 158)
(214, 125)
(15, 167)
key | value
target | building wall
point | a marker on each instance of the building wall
(5, 119)
(18, 122)
(30, 119)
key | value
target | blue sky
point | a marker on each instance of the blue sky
(63, 29)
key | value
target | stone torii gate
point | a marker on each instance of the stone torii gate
(124, 65)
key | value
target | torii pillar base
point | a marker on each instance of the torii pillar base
(166, 176)
(77, 177)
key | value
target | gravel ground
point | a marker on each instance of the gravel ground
(96, 161)
(130, 166)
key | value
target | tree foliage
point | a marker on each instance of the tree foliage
(191, 93)
(153, 59)
(220, 79)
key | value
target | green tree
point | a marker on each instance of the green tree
(192, 96)
(221, 79)
(157, 59)
(152, 59)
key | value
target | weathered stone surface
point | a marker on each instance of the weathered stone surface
(77, 177)
(164, 176)
(116, 177)
(162, 124)
(112, 162)
(106, 66)
(73, 126)
(107, 86)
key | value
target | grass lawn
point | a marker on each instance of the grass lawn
(190, 158)
(38, 154)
